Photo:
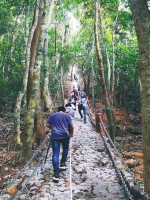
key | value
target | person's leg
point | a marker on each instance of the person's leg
(65, 146)
(84, 113)
(80, 112)
(55, 156)
(74, 103)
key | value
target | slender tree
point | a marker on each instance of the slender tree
(45, 90)
(34, 120)
(141, 17)
(17, 110)
(105, 49)
(108, 108)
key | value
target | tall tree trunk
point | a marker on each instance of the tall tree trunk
(62, 83)
(84, 79)
(88, 84)
(34, 114)
(48, 105)
(93, 77)
(105, 49)
(115, 104)
(112, 90)
(33, 49)
(71, 73)
(141, 18)
(113, 72)
(109, 110)
(16, 136)
(14, 35)
(27, 135)
(55, 48)
(64, 42)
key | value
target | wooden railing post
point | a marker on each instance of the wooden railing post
(97, 122)
(101, 116)
(101, 122)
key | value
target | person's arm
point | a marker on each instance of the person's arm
(71, 130)
(49, 126)
(88, 105)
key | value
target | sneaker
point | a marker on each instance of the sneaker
(63, 166)
(85, 122)
(56, 178)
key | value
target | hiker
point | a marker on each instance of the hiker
(73, 103)
(62, 129)
(80, 107)
(74, 96)
(82, 94)
(83, 105)
(76, 79)
(70, 109)
(74, 87)
(75, 93)
(78, 90)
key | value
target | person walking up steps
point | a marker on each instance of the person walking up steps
(69, 110)
(74, 96)
(82, 94)
(83, 105)
(62, 129)
(80, 108)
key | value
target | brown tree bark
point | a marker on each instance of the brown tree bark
(33, 49)
(93, 77)
(105, 49)
(34, 120)
(88, 83)
(141, 18)
(27, 135)
(17, 110)
(48, 105)
(109, 110)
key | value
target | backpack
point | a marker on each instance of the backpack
(76, 92)
(80, 106)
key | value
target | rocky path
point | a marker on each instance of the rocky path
(90, 174)
(93, 174)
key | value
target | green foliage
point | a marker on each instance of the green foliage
(119, 146)
(12, 50)
(128, 76)
(78, 50)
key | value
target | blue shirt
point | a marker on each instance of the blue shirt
(60, 125)
(85, 102)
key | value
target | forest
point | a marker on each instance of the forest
(42, 41)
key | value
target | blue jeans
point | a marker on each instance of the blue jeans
(56, 151)
(80, 112)
(84, 114)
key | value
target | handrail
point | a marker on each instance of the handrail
(129, 187)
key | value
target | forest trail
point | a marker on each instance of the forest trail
(90, 174)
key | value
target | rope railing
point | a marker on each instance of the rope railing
(24, 169)
(114, 154)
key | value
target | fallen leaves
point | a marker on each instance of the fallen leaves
(67, 184)
(12, 191)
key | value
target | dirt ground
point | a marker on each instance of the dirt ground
(128, 139)
(128, 142)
